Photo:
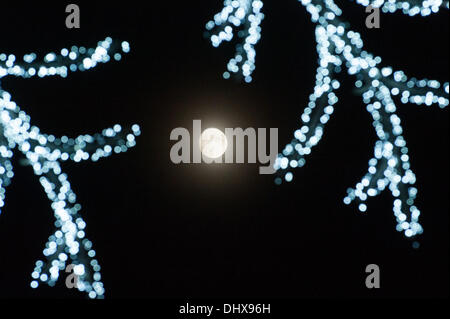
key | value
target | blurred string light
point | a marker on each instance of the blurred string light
(411, 7)
(243, 15)
(68, 244)
(340, 48)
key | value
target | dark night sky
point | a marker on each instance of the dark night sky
(162, 230)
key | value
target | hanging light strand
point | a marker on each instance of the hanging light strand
(340, 48)
(68, 244)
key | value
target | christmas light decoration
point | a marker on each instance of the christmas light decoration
(68, 244)
(339, 48)
(246, 15)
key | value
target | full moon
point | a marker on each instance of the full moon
(213, 143)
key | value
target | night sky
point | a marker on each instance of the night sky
(179, 231)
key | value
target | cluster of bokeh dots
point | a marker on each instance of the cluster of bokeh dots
(245, 16)
(340, 48)
(68, 245)
(411, 8)
(69, 60)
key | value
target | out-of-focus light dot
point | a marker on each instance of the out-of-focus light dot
(288, 177)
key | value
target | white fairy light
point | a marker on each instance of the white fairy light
(340, 48)
(68, 245)
(409, 7)
(244, 15)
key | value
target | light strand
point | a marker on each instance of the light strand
(68, 244)
(243, 15)
(340, 48)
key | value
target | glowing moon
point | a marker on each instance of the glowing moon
(213, 143)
